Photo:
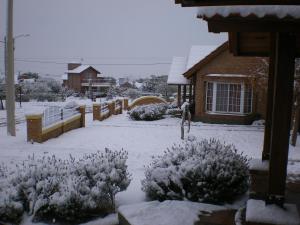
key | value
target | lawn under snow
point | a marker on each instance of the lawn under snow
(141, 139)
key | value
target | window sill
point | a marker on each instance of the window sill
(227, 114)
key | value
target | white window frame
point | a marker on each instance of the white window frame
(214, 98)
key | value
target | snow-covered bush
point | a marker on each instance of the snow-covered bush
(11, 208)
(174, 112)
(204, 171)
(148, 112)
(65, 190)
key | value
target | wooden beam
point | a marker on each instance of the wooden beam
(233, 39)
(240, 24)
(281, 116)
(196, 3)
(270, 94)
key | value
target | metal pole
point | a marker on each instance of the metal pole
(10, 83)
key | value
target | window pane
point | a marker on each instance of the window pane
(248, 99)
(222, 98)
(234, 98)
(209, 96)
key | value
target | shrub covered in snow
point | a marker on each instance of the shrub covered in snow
(148, 112)
(205, 171)
(66, 190)
(174, 112)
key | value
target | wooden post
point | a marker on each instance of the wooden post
(96, 111)
(179, 96)
(82, 112)
(184, 93)
(34, 127)
(281, 119)
(270, 94)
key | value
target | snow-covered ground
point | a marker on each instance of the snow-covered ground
(141, 139)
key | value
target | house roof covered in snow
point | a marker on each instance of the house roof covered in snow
(258, 11)
(177, 69)
(207, 58)
(182, 64)
(197, 53)
(82, 68)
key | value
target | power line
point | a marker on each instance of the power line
(95, 64)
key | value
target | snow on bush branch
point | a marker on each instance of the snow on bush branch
(148, 112)
(204, 171)
(67, 190)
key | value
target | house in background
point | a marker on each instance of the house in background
(225, 88)
(85, 78)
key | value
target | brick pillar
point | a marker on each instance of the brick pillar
(125, 103)
(112, 108)
(81, 109)
(96, 111)
(34, 127)
(121, 107)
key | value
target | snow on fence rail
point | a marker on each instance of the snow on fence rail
(54, 114)
(53, 122)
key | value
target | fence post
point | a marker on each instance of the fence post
(113, 106)
(81, 109)
(34, 127)
(96, 111)
(125, 103)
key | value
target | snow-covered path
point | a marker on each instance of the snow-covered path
(141, 139)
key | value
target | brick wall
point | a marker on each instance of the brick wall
(114, 108)
(36, 133)
(226, 63)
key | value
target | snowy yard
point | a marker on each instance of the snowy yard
(141, 139)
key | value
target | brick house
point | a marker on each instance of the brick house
(226, 88)
(84, 78)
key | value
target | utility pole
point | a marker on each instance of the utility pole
(10, 78)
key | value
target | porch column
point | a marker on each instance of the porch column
(184, 93)
(281, 119)
(190, 92)
(270, 93)
(179, 96)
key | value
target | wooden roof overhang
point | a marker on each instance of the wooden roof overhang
(273, 35)
(193, 3)
(279, 39)
(251, 36)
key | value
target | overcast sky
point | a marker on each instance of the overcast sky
(103, 32)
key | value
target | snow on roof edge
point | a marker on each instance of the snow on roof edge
(280, 11)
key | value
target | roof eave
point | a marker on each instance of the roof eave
(197, 3)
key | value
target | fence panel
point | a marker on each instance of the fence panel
(104, 108)
(54, 114)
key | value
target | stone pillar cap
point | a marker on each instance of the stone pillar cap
(34, 116)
